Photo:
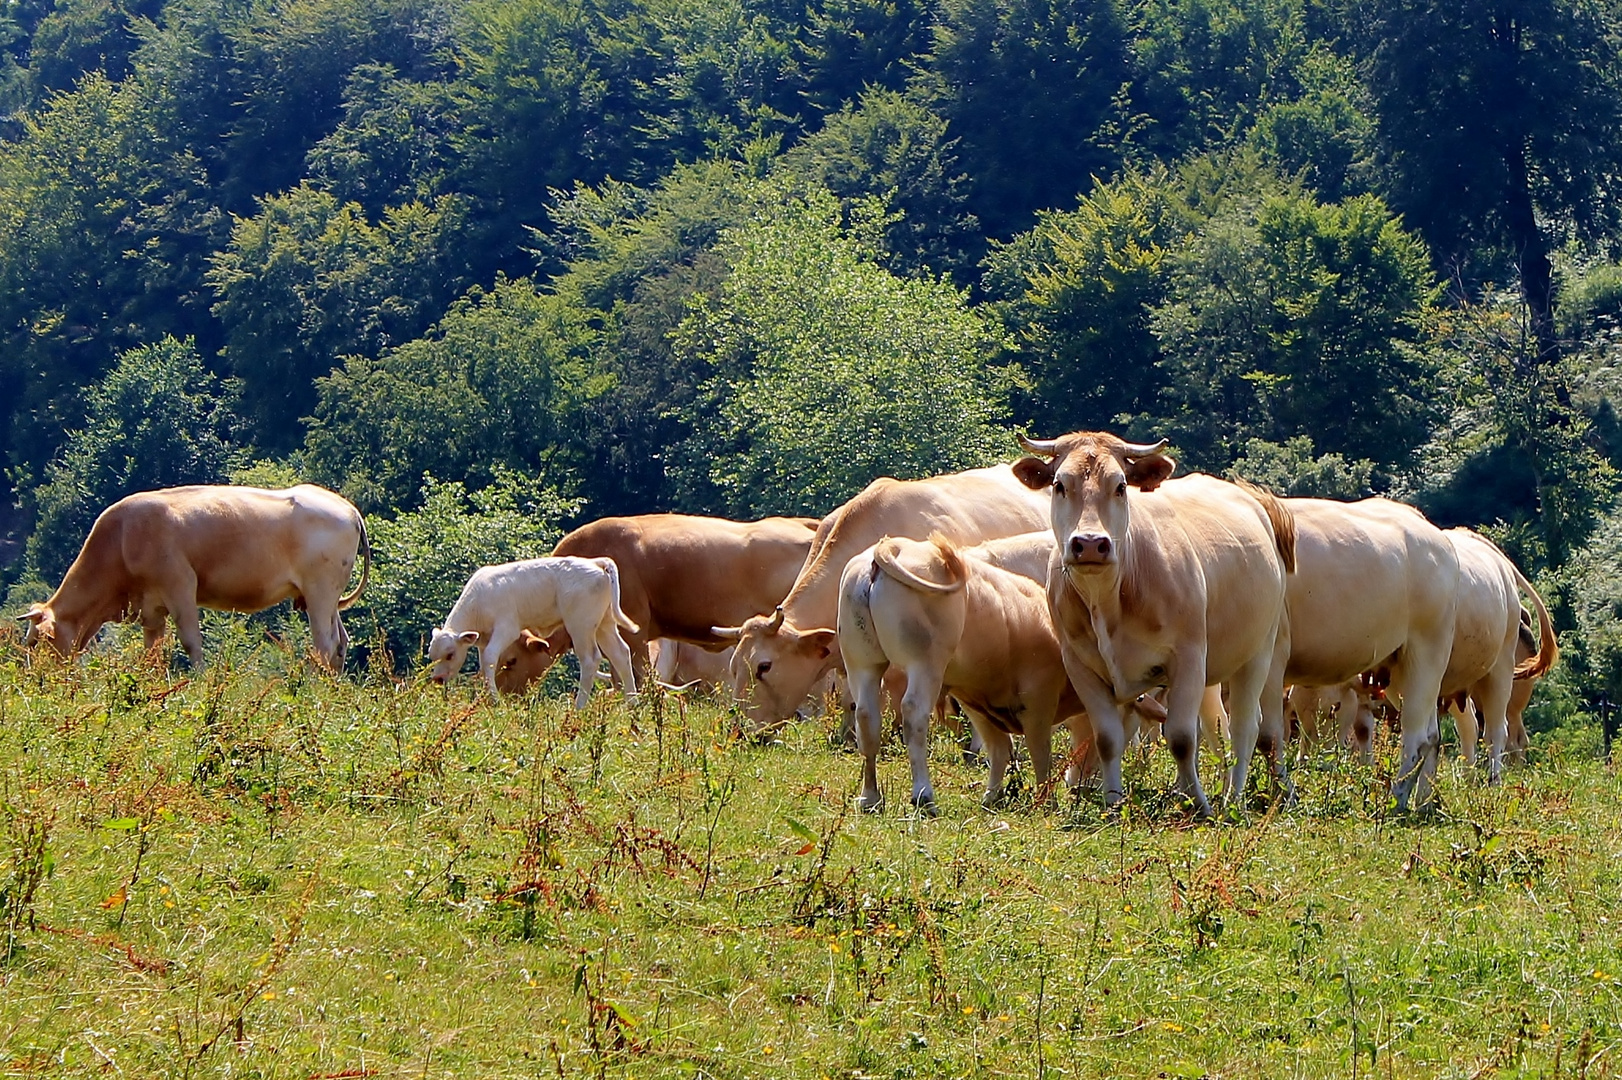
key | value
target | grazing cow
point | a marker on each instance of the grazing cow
(499, 602)
(1346, 704)
(1375, 587)
(1160, 582)
(1486, 638)
(679, 575)
(167, 553)
(957, 624)
(781, 656)
(679, 663)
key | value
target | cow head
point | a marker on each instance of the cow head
(525, 662)
(1089, 473)
(775, 665)
(42, 625)
(447, 650)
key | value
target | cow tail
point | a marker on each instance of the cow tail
(1539, 663)
(620, 618)
(884, 557)
(344, 602)
(1279, 516)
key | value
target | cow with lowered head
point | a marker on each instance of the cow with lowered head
(161, 554)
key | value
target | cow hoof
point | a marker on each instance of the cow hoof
(926, 806)
(875, 805)
(992, 800)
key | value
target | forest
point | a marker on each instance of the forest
(492, 268)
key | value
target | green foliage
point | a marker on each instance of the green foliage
(830, 370)
(1078, 291)
(98, 215)
(1207, 68)
(1289, 468)
(1031, 89)
(503, 380)
(157, 420)
(1325, 137)
(308, 280)
(890, 148)
(421, 558)
(1285, 315)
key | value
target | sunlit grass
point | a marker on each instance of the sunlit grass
(262, 871)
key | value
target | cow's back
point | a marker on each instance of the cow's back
(1369, 576)
(249, 548)
(680, 574)
(965, 508)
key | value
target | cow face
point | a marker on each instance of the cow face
(42, 625)
(1089, 474)
(525, 662)
(775, 666)
(447, 650)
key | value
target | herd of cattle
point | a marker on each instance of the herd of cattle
(1082, 586)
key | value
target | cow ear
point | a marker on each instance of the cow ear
(468, 637)
(821, 643)
(1147, 473)
(33, 614)
(1034, 473)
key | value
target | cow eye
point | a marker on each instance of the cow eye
(1120, 489)
(762, 668)
(1058, 488)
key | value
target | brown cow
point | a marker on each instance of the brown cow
(679, 576)
(1159, 582)
(166, 553)
(781, 656)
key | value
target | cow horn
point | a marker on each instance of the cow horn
(1040, 447)
(1138, 450)
(777, 620)
(673, 688)
(727, 633)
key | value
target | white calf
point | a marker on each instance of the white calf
(579, 595)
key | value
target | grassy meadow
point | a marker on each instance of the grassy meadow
(261, 871)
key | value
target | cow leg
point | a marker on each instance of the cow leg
(1418, 681)
(1256, 720)
(866, 688)
(189, 627)
(1213, 721)
(326, 633)
(998, 748)
(1491, 695)
(917, 706)
(1039, 740)
(1181, 727)
(619, 657)
(1105, 713)
(1083, 751)
(1464, 720)
(490, 654)
(154, 622)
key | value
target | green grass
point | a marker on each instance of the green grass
(266, 872)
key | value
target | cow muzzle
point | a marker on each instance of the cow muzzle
(1089, 549)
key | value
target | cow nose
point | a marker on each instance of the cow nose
(1089, 548)
(439, 679)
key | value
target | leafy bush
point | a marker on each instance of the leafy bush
(830, 370)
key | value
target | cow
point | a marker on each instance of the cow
(1345, 704)
(1486, 639)
(780, 656)
(1375, 587)
(1161, 582)
(167, 553)
(499, 602)
(957, 624)
(680, 574)
(682, 664)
